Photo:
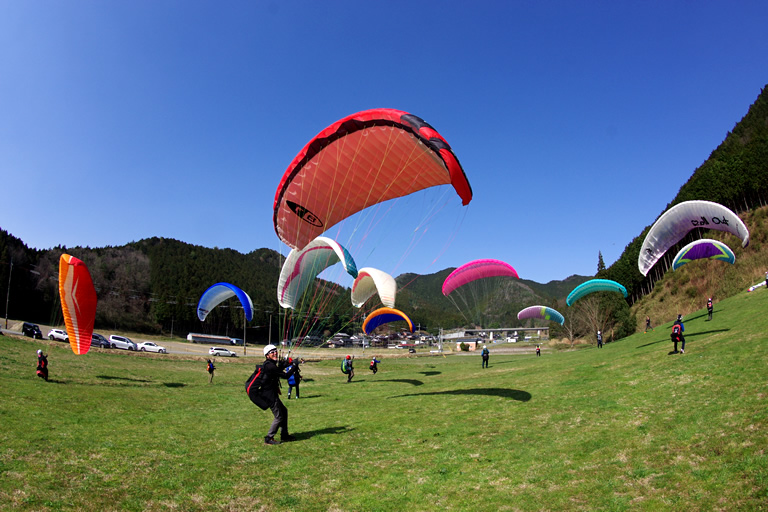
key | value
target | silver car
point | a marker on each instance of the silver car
(122, 342)
(218, 351)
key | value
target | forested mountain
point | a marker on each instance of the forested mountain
(735, 175)
(154, 285)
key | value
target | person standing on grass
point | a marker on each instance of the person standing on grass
(210, 369)
(42, 365)
(538, 350)
(486, 354)
(599, 339)
(374, 367)
(677, 334)
(347, 368)
(647, 324)
(274, 370)
(710, 309)
(295, 378)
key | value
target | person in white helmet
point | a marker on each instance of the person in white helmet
(42, 365)
(273, 371)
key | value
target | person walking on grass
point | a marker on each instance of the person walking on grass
(647, 324)
(210, 369)
(599, 339)
(374, 367)
(486, 354)
(677, 334)
(42, 365)
(273, 371)
(710, 309)
(347, 368)
(295, 378)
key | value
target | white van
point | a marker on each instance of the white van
(122, 342)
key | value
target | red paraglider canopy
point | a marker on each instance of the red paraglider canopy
(361, 160)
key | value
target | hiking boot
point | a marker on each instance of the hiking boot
(287, 438)
(270, 440)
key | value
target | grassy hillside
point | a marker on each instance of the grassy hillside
(687, 289)
(626, 427)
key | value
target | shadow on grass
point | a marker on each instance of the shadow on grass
(319, 432)
(514, 394)
(429, 374)
(407, 381)
(129, 379)
(655, 342)
(691, 334)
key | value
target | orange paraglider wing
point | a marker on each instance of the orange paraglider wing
(78, 302)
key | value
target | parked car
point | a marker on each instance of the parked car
(97, 340)
(31, 330)
(237, 341)
(58, 335)
(218, 351)
(122, 342)
(148, 346)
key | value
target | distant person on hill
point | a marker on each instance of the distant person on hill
(538, 350)
(766, 280)
(274, 370)
(210, 369)
(599, 339)
(374, 367)
(647, 324)
(710, 309)
(295, 378)
(677, 334)
(486, 354)
(347, 368)
(42, 365)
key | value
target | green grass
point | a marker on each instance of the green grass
(627, 427)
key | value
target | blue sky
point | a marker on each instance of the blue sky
(576, 122)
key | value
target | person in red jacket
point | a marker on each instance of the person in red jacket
(42, 365)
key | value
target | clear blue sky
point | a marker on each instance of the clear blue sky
(576, 122)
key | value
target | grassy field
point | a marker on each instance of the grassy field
(626, 427)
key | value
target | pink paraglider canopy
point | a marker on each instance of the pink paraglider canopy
(474, 270)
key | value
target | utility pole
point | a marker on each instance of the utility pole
(8, 293)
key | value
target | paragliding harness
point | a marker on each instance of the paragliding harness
(253, 387)
(344, 368)
(676, 333)
(210, 367)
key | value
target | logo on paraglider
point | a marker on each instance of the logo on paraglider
(304, 214)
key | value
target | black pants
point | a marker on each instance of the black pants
(291, 386)
(281, 419)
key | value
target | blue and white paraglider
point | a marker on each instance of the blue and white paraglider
(220, 292)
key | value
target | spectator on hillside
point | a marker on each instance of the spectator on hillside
(710, 309)
(647, 324)
(599, 339)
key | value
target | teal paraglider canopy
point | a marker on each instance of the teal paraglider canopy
(220, 292)
(592, 286)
